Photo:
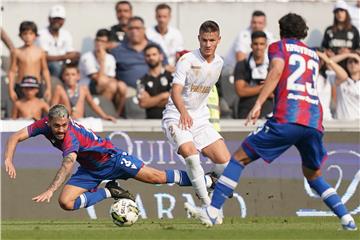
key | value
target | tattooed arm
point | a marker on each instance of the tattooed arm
(62, 174)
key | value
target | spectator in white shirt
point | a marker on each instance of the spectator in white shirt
(354, 11)
(169, 38)
(241, 47)
(347, 84)
(57, 42)
(98, 68)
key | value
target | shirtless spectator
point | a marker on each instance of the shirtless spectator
(168, 37)
(99, 67)
(30, 106)
(123, 14)
(57, 42)
(28, 61)
(73, 95)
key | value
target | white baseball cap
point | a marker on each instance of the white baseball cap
(57, 11)
(340, 5)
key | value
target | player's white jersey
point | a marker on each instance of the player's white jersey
(198, 77)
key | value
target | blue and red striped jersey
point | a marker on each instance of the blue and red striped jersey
(93, 152)
(296, 99)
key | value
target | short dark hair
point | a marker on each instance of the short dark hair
(152, 45)
(69, 66)
(162, 6)
(257, 34)
(209, 26)
(258, 13)
(103, 32)
(293, 26)
(136, 18)
(28, 26)
(123, 2)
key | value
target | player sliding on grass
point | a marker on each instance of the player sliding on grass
(99, 160)
(297, 121)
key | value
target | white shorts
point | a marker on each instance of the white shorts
(202, 134)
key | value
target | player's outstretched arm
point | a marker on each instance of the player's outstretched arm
(64, 171)
(271, 81)
(13, 140)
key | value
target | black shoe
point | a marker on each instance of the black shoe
(117, 192)
(214, 179)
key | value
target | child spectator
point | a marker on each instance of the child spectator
(29, 107)
(73, 95)
(28, 61)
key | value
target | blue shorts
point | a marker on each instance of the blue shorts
(120, 166)
(272, 139)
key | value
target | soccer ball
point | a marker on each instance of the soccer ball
(124, 212)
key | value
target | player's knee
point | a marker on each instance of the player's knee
(66, 205)
(187, 150)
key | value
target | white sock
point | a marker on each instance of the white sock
(107, 192)
(218, 168)
(346, 219)
(196, 175)
(213, 212)
(176, 176)
(208, 181)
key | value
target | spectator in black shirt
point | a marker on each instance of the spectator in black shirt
(342, 36)
(123, 14)
(249, 77)
(154, 88)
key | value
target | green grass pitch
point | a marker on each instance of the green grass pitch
(233, 228)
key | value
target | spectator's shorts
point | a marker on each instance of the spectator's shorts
(272, 139)
(202, 133)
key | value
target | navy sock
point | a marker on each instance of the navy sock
(329, 196)
(90, 198)
(227, 183)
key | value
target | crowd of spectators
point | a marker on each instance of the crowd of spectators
(131, 61)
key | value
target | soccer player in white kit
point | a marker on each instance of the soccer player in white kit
(186, 116)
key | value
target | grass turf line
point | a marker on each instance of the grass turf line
(233, 228)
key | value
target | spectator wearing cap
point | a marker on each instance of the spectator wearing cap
(169, 38)
(342, 36)
(30, 106)
(129, 55)
(99, 67)
(118, 31)
(57, 42)
(28, 61)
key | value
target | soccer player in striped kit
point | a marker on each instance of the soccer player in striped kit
(296, 121)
